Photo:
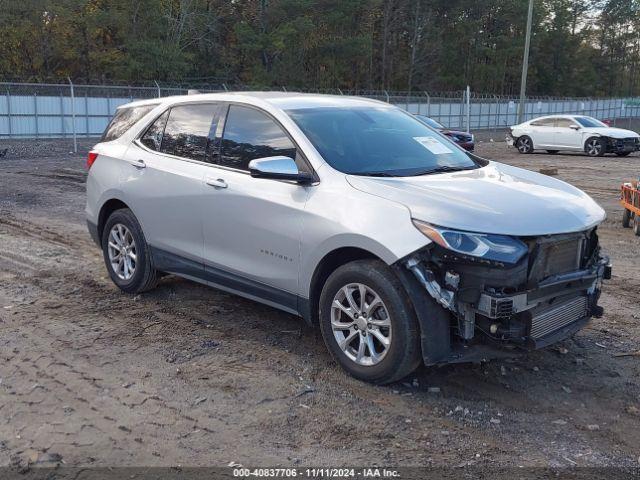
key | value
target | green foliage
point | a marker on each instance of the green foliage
(579, 47)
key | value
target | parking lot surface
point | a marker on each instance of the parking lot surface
(189, 375)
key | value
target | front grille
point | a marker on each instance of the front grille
(627, 143)
(558, 316)
(557, 257)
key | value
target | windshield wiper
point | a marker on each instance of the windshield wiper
(376, 174)
(389, 174)
(445, 169)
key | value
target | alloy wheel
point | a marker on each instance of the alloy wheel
(361, 324)
(524, 145)
(594, 147)
(122, 251)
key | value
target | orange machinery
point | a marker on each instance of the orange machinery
(630, 200)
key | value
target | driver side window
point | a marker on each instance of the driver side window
(565, 123)
(250, 134)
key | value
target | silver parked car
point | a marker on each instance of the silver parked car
(352, 214)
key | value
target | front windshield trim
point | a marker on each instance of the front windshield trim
(383, 141)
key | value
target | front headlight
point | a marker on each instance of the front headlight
(497, 248)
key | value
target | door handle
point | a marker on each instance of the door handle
(139, 163)
(216, 183)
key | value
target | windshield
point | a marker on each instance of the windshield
(378, 141)
(431, 122)
(590, 122)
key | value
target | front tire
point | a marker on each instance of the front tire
(595, 147)
(368, 323)
(126, 253)
(626, 218)
(636, 225)
(524, 145)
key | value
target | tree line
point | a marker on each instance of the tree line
(579, 47)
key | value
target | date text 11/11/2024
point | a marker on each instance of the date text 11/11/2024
(315, 473)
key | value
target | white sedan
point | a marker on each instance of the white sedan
(573, 133)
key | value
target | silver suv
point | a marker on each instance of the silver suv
(352, 214)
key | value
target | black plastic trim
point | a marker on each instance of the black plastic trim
(176, 264)
(283, 299)
(228, 281)
(435, 325)
(93, 231)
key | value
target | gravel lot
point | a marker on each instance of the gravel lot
(193, 376)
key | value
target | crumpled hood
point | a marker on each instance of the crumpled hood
(611, 132)
(498, 199)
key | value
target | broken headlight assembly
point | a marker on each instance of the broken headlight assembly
(490, 247)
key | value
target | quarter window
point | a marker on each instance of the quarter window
(250, 134)
(188, 131)
(153, 136)
(123, 120)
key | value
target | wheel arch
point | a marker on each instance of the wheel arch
(591, 136)
(106, 210)
(520, 137)
(327, 265)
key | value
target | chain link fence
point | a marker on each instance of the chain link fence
(41, 110)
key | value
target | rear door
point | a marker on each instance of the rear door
(164, 184)
(542, 132)
(252, 227)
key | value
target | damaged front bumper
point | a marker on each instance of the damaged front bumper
(494, 310)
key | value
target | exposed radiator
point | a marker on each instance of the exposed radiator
(558, 257)
(558, 316)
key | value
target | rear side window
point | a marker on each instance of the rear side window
(250, 134)
(123, 120)
(188, 129)
(543, 122)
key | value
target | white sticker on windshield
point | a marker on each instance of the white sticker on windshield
(434, 145)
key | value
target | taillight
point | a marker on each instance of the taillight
(91, 157)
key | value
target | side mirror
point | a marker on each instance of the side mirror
(574, 127)
(278, 168)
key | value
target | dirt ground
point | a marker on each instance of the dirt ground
(193, 376)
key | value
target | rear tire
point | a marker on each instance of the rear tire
(636, 225)
(524, 145)
(126, 253)
(385, 314)
(552, 152)
(595, 147)
(626, 218)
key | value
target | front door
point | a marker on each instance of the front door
(252, 227)
(568, 134)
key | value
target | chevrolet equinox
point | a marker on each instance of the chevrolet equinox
(352, 214)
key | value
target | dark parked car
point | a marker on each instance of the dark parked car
(464, 139)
